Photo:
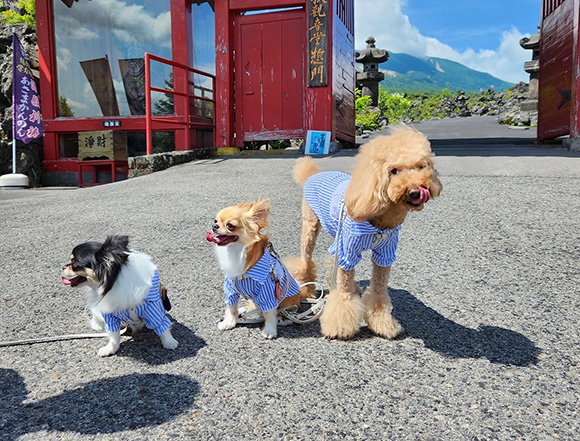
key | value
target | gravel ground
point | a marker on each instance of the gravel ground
(486, 286)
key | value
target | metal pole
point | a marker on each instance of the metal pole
(13, 122)
(13, 153)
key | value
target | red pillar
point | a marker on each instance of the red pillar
(46, 57)
(575, 110)
(180, 42)
(224, 111)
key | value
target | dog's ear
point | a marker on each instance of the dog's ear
(364, 196)
(110, 258)
(117, 242)
(436, 185)
(260, 211)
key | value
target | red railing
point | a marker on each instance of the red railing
(184, 120)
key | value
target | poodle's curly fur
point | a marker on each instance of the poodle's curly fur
(388, 173)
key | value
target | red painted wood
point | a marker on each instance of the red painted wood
(318, 100)
(319, 105)
(272, 67)
(93, 167)
(343, 78)
(46, 59)
(249, 79)
(575, 114)
(224, 110)
(252, 5)
(54, 126)
(293, 82)
(181, 53)
(555, 77)
(270, 71)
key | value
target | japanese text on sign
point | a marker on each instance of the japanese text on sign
(317, 43)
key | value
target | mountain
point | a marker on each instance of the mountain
(406, 73)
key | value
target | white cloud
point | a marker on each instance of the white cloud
(63, 58)
(393, 31)
(130, 23)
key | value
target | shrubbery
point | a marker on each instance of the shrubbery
(366, 115)
(408, 107)
(26, 15)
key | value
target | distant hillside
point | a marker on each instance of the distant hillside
(407, 73)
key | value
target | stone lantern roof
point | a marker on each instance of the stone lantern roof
(532, 43)
(371, 54)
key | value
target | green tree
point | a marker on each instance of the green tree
(164, 106)
(63, 108)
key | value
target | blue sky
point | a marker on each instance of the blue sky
(483, 35)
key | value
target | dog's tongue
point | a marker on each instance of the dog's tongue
(220, 240)
(211, 238)
(425, 196)
(74, 281)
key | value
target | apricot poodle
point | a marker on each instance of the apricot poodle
(393, 175)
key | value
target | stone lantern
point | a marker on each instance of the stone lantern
(368, 80)
(532, 67)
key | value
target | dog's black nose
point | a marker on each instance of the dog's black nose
(215, 227)
(414, 194)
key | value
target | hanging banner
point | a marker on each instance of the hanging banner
(317, 43)
(133, 74)
(98, 73)
(26, 120)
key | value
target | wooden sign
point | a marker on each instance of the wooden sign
(317, 34)
(103, 144)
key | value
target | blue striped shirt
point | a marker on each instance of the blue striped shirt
(258, 284)
(324, 192)
(151, 310)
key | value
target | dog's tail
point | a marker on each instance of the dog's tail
(304, 168)
(164, 297)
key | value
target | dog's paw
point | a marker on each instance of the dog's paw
(378, 315)
(384, 325)
(107, 350)
(342, 316)
(269, 332)
(225, 323)
(168, 341)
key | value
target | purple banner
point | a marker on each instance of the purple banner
(26, 120)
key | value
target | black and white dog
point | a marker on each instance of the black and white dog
(122, 285)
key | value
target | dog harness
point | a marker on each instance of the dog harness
(261, 283)
(324, 193)
(151, 311)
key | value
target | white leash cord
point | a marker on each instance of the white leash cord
(311, 314)
(338, 228)
(31, 341)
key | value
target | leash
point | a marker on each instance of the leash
(31, 341)
(338, 230)
(309, 315)
(315, 306)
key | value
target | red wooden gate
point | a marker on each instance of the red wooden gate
(556, 66)
(269, 76)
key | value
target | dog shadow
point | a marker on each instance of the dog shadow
(99, 407)
(498, 345)
(145, 346)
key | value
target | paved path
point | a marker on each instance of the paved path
(486, 285)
